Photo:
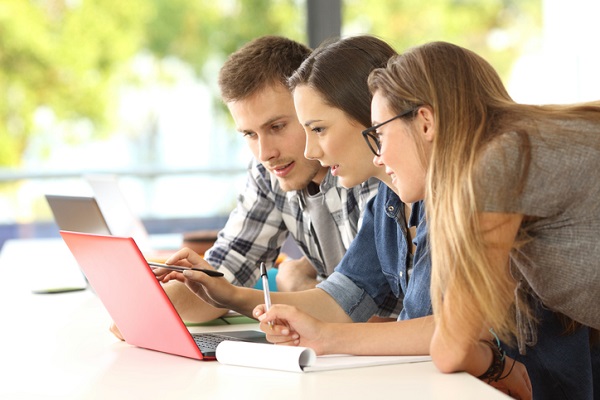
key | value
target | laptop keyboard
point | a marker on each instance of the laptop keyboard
(209, 341)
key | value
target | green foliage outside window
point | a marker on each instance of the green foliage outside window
(69, 57)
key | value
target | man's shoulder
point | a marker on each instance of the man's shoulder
(262, 187)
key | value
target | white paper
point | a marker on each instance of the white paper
(343, 361)
(298, 359)
(260, 355)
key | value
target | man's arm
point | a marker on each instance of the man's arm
(220, 294)
(253, 232)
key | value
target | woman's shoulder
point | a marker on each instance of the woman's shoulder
(498, 171)
(502, 157)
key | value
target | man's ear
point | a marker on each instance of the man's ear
(426, 122)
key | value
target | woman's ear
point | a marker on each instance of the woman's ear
(426, 122)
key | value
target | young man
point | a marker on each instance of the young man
(286, 194)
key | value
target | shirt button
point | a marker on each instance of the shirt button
(401, 274)
(390, 208)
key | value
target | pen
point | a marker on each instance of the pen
(265, 282)
(208, 272)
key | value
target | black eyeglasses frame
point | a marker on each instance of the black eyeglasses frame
(368, 133)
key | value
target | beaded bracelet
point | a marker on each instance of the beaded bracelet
(494, 372)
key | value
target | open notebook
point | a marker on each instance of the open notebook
(136, 301)
(299, 359)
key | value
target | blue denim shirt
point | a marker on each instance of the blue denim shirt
(373, 276)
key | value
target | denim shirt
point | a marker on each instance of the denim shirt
(375, 275)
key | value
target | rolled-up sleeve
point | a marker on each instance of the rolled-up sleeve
(354, 301)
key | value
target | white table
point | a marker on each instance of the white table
(57, 346)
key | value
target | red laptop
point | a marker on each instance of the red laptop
(136, 301)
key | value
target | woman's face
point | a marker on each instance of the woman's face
(333, 138)
(399, 152)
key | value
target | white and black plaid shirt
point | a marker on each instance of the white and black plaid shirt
(265, 215)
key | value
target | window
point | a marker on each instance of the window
(130, 88)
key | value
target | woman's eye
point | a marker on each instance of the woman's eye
(317, 130)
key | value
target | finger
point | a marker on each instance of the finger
(278, 341)
(528, 383)
(161, 273)
(196, 276)
(520, 389)
(258, 311)
(171, 276)
(277, 336)
(529, 391)
(279, 311)
(183, 255)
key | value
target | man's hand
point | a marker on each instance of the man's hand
(296, 275)
(217, 292)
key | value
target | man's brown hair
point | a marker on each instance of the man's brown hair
(261, 62)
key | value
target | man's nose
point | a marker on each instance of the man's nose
(267, 148)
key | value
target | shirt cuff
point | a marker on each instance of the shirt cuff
(354, 301)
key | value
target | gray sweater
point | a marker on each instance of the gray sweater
(561, 198)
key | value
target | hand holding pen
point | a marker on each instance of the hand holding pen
(178, 268)
(267, 293)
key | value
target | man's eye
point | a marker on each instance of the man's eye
(249, 135)
(277, 127)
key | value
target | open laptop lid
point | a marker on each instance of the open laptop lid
(135, 300)
(78, 214)
(121, 220)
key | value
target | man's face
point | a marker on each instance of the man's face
(268, 121)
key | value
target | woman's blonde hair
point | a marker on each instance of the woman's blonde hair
(471, 106)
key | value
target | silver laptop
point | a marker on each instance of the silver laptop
(77, 214)
(119, 217)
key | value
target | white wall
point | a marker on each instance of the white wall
(565, 65)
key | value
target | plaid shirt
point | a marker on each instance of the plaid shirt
(265, 215)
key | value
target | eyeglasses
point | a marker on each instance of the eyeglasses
(371, 136)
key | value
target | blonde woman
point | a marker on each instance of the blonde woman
(512, 204)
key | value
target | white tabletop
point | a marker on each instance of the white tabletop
(58, 346)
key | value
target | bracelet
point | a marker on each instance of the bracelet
(494, 372)
(510, 370)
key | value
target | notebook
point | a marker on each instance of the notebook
(136, 301)
(78, 214)
(300, 359)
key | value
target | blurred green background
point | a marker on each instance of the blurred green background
(129, 87)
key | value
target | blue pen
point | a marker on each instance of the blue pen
(267, 293)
